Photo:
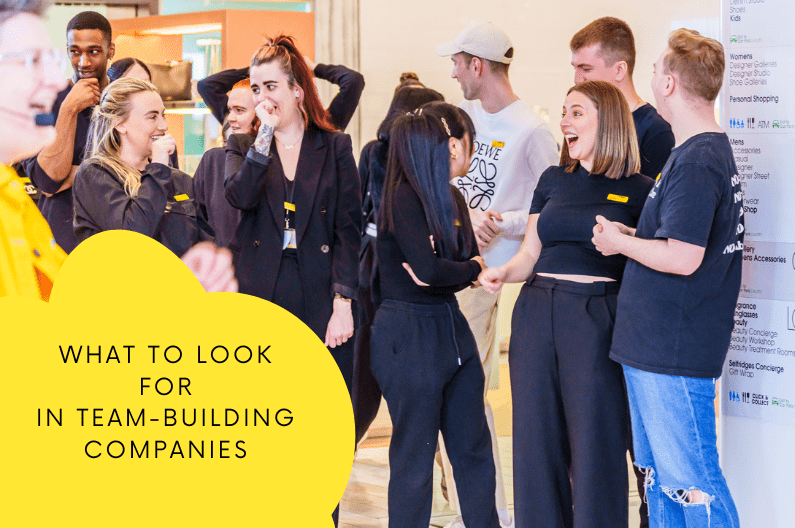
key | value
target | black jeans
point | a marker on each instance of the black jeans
(569, 407)
(427, 364)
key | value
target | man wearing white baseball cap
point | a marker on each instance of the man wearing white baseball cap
(513, 146)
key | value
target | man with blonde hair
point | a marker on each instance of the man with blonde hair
(680, 287)
(604, 50)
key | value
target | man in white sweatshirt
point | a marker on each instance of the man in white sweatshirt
(513, 146)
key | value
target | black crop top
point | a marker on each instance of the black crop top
(411, 243)
(567, 205)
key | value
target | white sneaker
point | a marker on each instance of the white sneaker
(458, 522)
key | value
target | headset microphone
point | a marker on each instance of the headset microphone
(43, 120)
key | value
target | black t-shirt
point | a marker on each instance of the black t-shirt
(655, 140)
(410, 243)
(681, 325)
(57, 209)
(567, 204)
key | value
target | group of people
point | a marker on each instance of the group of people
(624, 238)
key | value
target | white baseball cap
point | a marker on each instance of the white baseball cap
(484, 40)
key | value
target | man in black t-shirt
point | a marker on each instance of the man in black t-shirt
(604, 50)
(676, 306)
(89, 46)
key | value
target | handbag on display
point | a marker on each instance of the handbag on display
(172, 79)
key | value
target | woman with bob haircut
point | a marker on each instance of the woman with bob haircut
(125, 182)
(298, 190)
(569, 402)
(424, 355)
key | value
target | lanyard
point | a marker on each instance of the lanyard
(290, 241)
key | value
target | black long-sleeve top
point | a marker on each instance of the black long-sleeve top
(214, 90)
(208, 184)
(163, 209)
(410, 242)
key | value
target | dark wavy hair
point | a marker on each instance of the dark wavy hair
(122, 66)
(283, 49)
(409, 95)
(419, 155)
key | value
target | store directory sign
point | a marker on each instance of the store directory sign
(758, 113)
(757, 396)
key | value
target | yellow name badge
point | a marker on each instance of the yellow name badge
(498, 144)
(617, 198)
(289, 206)
(181, 197)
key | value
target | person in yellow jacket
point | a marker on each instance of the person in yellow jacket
(33, 73)
(29, 257)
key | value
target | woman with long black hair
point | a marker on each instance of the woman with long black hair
(423, 353)
(410, 94)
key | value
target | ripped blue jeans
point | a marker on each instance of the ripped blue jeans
(674, 436)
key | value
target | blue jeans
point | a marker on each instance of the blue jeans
(673, 431)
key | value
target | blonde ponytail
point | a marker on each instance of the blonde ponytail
(104, 141)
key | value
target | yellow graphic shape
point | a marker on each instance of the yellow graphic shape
(618, 198)
(287, 467)
(498, 144)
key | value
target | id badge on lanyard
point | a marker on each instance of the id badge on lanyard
(290, 241)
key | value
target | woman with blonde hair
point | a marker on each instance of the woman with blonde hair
(125, 181)
(569, 402)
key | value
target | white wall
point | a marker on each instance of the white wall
(400, 36)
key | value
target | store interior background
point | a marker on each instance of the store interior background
(381, 39)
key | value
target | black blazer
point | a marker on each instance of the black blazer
(328, 209)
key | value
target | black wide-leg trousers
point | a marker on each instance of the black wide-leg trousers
(570, 425)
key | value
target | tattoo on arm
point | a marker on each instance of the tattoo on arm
(264, 138)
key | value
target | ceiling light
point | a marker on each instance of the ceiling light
(183, 30)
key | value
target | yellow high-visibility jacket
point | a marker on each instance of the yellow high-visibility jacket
(29, 256)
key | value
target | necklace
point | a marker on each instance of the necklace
(290, 147)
